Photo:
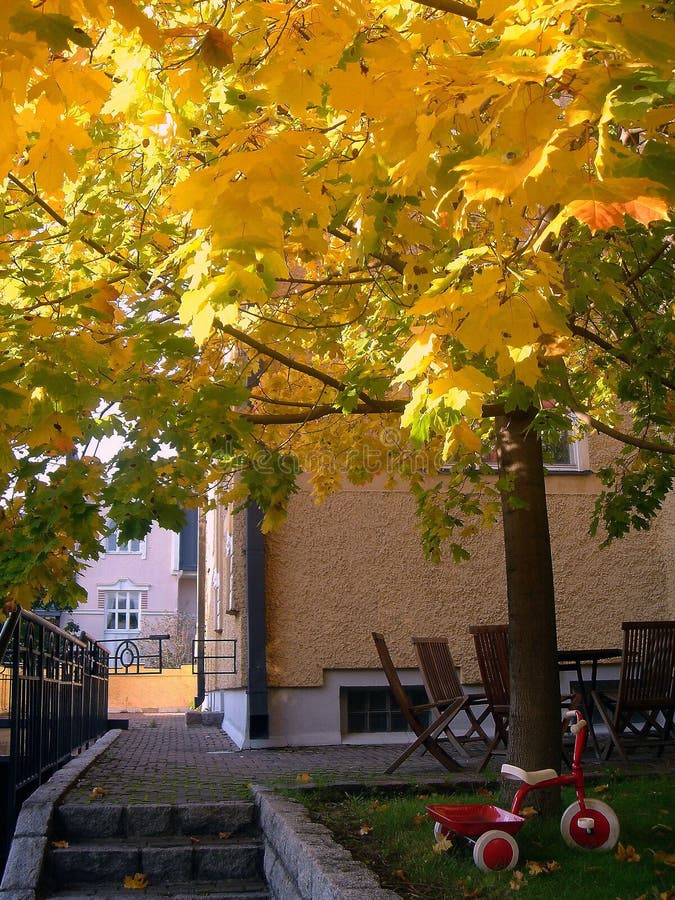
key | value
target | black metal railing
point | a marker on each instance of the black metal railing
(57, 690)
(215, 656)
(135, 656)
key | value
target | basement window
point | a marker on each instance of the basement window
(374, 710)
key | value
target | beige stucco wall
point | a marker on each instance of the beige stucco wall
(355, 565)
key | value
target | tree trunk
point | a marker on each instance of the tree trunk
(534, 722)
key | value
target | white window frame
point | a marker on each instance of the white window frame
(126, 588)
(124, 548)
(578, 461)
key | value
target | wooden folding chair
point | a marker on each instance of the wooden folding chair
(492, 652)
(640, 713)
(427, 736)
(444, 688)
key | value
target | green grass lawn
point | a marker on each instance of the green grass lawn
(393, 834)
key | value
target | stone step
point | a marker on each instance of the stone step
(161, 860)
(97, 819)
(229, 889)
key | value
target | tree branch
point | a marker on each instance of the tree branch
(457, 8)
(392, 407)
(621, 436)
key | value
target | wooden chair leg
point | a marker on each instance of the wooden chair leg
(428, 738)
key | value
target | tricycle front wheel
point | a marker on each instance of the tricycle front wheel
(603, 832)
(495, 850)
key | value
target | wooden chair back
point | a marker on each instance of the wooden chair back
(647, 678)
(397, 688)
(438, 669)
(427, 734)
(492, 652)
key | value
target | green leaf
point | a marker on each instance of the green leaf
(51, 28)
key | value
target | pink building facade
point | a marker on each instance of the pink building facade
(143, 587)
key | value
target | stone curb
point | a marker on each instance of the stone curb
(27, 850)
(303, 862)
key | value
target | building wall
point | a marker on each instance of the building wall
(171, 593)
(353, 565)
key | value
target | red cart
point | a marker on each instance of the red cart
(586, 823)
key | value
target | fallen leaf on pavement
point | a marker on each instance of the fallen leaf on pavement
(137, 882)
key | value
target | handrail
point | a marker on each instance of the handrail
(8, 628)
(58, 705)
(45, 623)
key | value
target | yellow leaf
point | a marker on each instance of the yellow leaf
(137, 882)
(667, 859)
(60, 845)
(601, 788)
(443, 845)
(528, 812)
(420, 818)
(418, 357)
(364, 829)
(541, 868)
(130, 17)
(304, 778)
(96, 793)
(225, 835)
(517, 881)
(216, 48)
(627, 854)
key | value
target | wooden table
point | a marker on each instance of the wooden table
(573, 661)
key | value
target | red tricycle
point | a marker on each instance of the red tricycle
(586, 823)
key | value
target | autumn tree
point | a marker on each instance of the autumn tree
(260, 237)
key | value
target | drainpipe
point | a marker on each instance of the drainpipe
(258, 714)
(201, 608)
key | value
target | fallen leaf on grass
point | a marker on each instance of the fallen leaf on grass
(528, 812)
(96, 793)
(468, 895)
(60, 845)
(661, 827)
(541, 868)
(443, 845)
(484, 792)
(420, 818)
(224, 835)
(627, 854)
(364, 829)
(400, 874)
(304, 778)
(517, 881)
(137, 882)
(600, 789)
(668, 859)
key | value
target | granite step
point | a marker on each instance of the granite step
(225, 889)
(97, 819)
(160, 859)
(184, 850)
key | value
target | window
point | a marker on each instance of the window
(565, 455)
(122, 610)
(375, 710)
(122, 605)
(112, 543)
(560, 454)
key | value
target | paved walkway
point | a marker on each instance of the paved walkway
(161, 760)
